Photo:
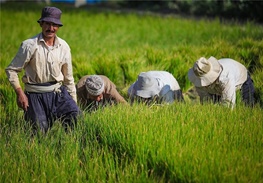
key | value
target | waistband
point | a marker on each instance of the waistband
(43, 87)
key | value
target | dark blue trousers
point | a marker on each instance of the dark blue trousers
(45, 108)
(248, 92)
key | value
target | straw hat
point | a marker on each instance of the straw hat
(204, 72)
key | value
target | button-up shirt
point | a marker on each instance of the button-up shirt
(43, 63)
(233, 75)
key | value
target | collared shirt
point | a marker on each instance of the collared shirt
(167, 85)
(233, 75)
(110, 93)
(42, 64)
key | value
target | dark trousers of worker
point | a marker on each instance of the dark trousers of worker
(248, 92)
(45, 108)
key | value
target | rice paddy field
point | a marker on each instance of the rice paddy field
(181, 142)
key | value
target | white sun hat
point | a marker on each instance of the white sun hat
(204, 72)
(146, 86)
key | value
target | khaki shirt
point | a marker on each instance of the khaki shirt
(110, 92)
(42, 64)
(233, 75)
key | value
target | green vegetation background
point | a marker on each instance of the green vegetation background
(176, 143)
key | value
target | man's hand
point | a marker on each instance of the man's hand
(22, 100)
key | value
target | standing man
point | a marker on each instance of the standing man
(50, 92)
(96, 91)
(220, 79)
(155, 86)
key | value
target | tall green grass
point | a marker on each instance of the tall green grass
(177, 143)
(185, 142)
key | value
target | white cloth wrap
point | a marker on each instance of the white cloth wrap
(42, 89)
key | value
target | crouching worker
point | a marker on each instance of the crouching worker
(50, 92)
(155, 86)
(95, 91)
(218, 80)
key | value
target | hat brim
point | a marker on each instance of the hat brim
(50, 19)
(146, 92)
(208, 78)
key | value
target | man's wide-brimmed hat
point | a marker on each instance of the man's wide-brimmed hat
(146, 86)
(51, 14)
(94, 85)
(204, 72)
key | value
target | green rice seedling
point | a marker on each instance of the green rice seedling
(186, 146)
(182, 142)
